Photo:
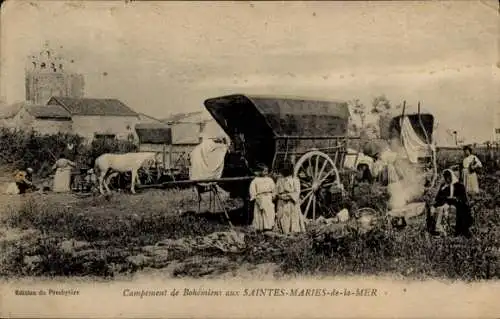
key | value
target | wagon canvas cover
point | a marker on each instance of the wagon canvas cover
(279, 116)
(254, 123)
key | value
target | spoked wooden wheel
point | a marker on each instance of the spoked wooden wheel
(317, 174)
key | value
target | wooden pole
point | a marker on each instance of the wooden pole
(198, 181)
(170, 158)
(164, 157)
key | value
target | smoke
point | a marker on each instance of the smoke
(406, 180)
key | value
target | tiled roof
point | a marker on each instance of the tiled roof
(48, 112)
(96, 107)
(154, 133)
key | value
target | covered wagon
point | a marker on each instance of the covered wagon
(411, 136)
(309, 134)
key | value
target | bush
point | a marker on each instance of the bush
(29, 149)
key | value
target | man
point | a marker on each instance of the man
(23, 180)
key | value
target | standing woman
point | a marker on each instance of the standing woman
(262, 190)
(469, 167)
(289, 218)
(62, 178)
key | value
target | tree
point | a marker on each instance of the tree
(371, 130)
(358, 109)
(382, 108)
(381, 105)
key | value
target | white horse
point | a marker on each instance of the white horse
(121, 163)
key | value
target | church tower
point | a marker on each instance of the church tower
(49, 74)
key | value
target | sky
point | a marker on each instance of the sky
(166, 57)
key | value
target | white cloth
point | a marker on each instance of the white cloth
(262, 190)
(343, 215)
(354, 158)
(469, 178)
(454, 179)
(62, 177)
(12, 189)
(207, 160)
(412, 143)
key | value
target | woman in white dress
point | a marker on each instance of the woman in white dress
(469, 167)
(62, 178)
(289, 218)
(262, 192)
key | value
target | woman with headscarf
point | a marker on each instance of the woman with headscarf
(452, 198)
(62, 178)
(262, 190)
(470, 165)
(289, 218)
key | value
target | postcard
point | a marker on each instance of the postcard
(244, 159)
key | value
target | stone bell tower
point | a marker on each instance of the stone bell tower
(49, 74)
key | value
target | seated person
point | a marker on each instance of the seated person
(23, 180)
(90, 181)
(452, 198)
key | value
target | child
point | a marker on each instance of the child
(262, 190)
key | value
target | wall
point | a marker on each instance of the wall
(25, 121)
(51, 126)
(8, 123)
(186, 133)
(121, 126)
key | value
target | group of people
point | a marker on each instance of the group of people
(277, 204)
(453, 197)
(62, 177)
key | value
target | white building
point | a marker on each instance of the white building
(95, 118)
(44, 119)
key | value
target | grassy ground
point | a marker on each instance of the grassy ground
(53, 235)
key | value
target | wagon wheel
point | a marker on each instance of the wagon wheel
(317, 174)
